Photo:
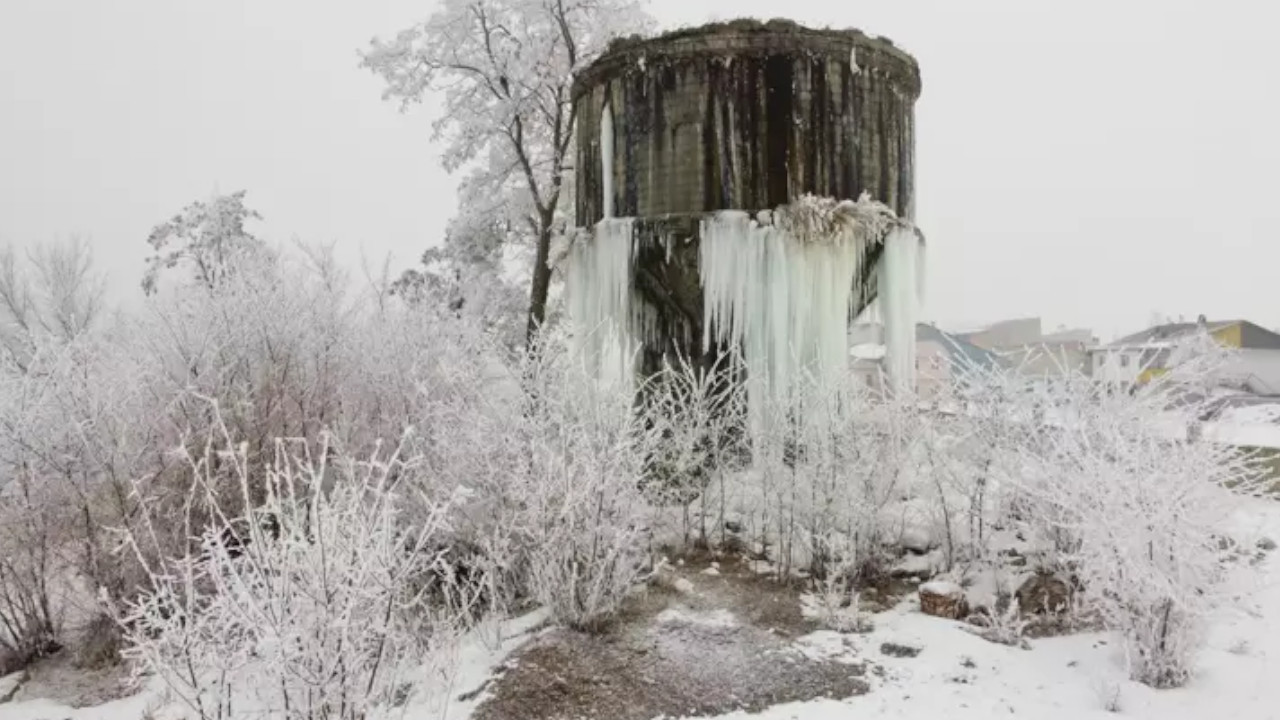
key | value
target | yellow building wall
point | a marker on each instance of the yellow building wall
(1149, 373)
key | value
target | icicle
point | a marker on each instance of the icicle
(921, 248)
(898, 305)
(782, 293)
(606, 159)
(598, 282)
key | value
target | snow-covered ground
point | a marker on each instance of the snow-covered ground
(957, 675)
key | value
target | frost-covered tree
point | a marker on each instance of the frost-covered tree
(56, 294)
(467, 277)
(208, 236)
(505, 70)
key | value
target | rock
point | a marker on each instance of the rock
(1043, 592)
(732, 526)
(899, 651)
(683, 585)
(916, 539)
(1266, 544)
(943, 599)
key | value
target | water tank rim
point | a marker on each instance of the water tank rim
(749, 36)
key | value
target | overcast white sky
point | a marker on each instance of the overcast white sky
(1089, 161)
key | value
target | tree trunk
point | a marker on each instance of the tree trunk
(541, 281)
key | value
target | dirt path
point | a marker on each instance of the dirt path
(726, 640)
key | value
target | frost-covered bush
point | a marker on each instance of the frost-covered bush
(694, 416)
(68, 443)
(1132, 504)
(577, 502)
(831, 465)
(835, 593)
(323, 601)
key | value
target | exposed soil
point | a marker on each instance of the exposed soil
(727, 645)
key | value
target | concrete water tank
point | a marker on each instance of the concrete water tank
(743, 115)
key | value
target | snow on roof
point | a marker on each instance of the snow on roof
(867, 351)
(1163, 335)
(1259, 414)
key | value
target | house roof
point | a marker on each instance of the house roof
(998, 325)
(1251, 335)
(1168, 332)
(960, 350)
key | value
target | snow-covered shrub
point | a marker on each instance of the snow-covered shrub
(578, 503)
(322, 601)
(67, 447)
(1132, 503)
(1110, 693)
(556, 464)
(696, 413)
(964, 446)
(29, 623)
(831, 462)
(1004, 626)
(835, 594)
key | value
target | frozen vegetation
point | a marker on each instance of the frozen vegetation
(279, 491)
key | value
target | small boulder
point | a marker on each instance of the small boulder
(943, 599)
(1043, 592)
(919, 567)
(916, 539)
(1266, 544)
(899, 651)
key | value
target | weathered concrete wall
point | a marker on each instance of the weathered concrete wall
(747, 115)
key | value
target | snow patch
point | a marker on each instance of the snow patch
(867, 351)
(916, 539)
(720, 618)
(827, 646)
(945, 588)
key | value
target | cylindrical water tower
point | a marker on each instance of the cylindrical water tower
(744, 116)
